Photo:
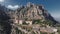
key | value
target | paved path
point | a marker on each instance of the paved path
(25, 31)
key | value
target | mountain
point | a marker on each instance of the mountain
(5, 27)
(30, 12)
(57, 19)
(34, 12)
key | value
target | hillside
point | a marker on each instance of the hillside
(28, 19)
(34, 12)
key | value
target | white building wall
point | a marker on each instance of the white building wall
(20, 21)
(29, 22)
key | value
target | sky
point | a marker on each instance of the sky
(53, 6)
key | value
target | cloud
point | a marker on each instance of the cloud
(13, 7)
(1, 0)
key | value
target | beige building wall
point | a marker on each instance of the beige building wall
(20, 21)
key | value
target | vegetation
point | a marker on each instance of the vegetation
(52, 33)
(46, 22)
(33, 32)
(43, 33)
(37, 21)
(24, 23)
(4, 23)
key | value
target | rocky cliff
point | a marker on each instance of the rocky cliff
(34, 12)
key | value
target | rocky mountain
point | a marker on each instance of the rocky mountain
(57, 19)
(34, 12)
(29, 12)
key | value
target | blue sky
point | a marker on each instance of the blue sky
(53, 6)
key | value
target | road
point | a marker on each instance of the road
(25, 31)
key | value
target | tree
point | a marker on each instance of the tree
(4, 22)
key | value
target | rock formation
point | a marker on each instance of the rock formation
(31, 13)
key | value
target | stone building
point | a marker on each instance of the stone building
(29, 22)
